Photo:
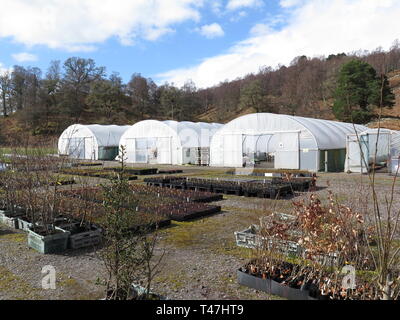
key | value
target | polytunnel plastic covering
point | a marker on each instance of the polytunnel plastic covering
(193, 134)
(85, 141)
(369, 146)
(395, 143)
(107, 135)
(285, 133)
(164, 141)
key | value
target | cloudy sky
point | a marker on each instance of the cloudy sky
(207, 41)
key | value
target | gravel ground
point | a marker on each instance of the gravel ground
(201, 256)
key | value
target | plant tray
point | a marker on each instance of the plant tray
(24, 225)
(196, 214)
(84, 239)
(54, 243)
(272, 287)
(169, 171)
(194, 187)
(10, 221)
(176, 184)
(297, 184)
(248, 238)
(138, 171)
(87, 164)
(160, 181)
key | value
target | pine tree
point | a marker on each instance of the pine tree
(358, 91)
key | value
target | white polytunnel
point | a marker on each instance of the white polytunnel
(282, 142)
(168, 142)
(372, 146)
(91, 142)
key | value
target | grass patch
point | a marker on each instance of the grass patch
(175, 280)
(16, 288)
(75, 289)
(231, 249)
(192, 233)
(28, 151)
(14, 237)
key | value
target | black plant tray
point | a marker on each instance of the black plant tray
(249, 189)
(176, 184)
(272, 287)
(196, 214)
(197, 187)
(266, 190)
(273, 192)
(297, 184)
(108, 176)
(88, 164)
(139, 172)
(228, 190)
(169, 171)
(156, 182)
(160, 181)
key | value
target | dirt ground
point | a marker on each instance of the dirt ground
(201, 255)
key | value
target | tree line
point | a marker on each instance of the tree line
(79, 91)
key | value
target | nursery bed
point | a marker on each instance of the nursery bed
(239, 187)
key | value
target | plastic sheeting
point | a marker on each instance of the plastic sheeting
(366, 148)
(395, 143)
(166, 142)
(83, 141)
(275, 133)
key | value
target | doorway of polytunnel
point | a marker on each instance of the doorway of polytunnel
(152, 150)
(287, 154)
(76, 148)
(257, 151)
(164, 155)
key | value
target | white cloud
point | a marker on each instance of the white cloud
(239, 15)
(78, 25)
(211, 30)
(317, 27)
(238, 4)
(260, 29)
(216, 7)
(24, 57)
(290, 3)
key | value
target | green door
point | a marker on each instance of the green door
(108, 153)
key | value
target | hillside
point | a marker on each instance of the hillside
(321, 109)
(391, 117)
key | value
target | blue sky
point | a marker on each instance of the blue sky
(203, 40)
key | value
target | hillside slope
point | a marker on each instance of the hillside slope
(321, 110)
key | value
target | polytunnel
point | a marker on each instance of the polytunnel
(168, 142)
(92, 142)
(372, 146)
(281, 142)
